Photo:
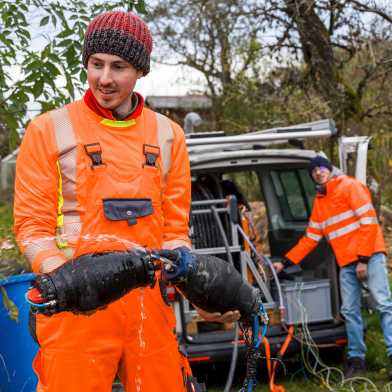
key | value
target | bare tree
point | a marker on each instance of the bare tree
(345, 45)
(342, 47)
(219, 38)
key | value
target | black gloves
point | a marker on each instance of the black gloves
(289, 269)
(286, 262)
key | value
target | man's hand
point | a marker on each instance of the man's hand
(362, 271)
(216, 317)
(279, 266)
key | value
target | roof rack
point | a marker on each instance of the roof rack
(199, 135)
(321, 128)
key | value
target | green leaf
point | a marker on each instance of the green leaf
(140, 7)
(46, 51)
(54, 20)
(65, 42)
(69, 86)
(44, 21)
(65, 33)
(6, 41)
(34, 65)
(83, 76)
(12, 309)
(52, 69)
(38, 88)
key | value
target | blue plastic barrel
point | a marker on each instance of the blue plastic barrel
(17, 348)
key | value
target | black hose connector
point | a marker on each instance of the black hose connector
(214, 285)
(91, 282)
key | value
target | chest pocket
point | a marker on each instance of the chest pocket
(127, 209)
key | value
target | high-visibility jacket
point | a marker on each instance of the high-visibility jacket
(87, 184)
(345, 216)
(58, 187)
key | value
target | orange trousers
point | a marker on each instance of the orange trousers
(132, 338)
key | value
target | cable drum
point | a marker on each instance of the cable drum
(205, 231)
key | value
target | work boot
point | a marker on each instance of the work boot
(355, 367)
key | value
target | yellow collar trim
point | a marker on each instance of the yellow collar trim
(117, 123)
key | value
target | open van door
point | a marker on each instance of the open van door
(284, 186)
(353, 152)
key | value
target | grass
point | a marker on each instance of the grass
(299, 380)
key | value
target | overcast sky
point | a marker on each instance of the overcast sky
(170, 80)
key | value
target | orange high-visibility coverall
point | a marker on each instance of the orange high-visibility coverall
(346, 217)
(58, 186)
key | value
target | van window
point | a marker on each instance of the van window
(295, 192)
(248, 183)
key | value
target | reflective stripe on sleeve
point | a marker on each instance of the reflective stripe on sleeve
(368, 221)
(344, 230)
(313, 236)
(173, 244)
(315, 225)
(32, 248)
(365, 208)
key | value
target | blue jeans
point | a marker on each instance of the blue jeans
(350, 289)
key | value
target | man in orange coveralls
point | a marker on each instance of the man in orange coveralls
(343, 213)
(105, 173)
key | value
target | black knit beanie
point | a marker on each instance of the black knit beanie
(318, 161)
(120, 33)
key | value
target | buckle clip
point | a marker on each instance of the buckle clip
(151, 153)
(94, 151)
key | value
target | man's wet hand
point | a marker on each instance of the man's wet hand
(216, 317)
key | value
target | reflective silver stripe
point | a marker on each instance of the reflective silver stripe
(175, 244)
(369, 221)
(337, 218)
(65, 136)
(313, 236)
(32, 248)
(315, 225)
(345, 215)
(165, 141)
(361, 210)
(66, 145)
(344, 230)
(52, 262)
(72, 228)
